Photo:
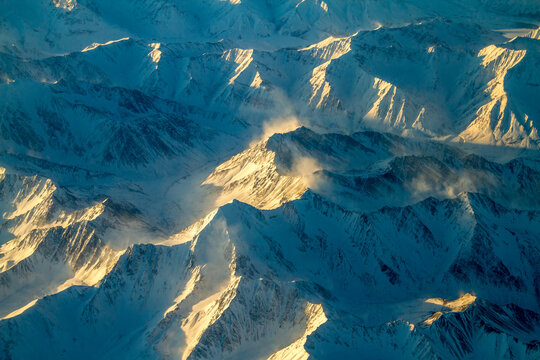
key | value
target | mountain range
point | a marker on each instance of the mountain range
(249, 179)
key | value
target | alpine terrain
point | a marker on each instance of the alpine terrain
(270, 179)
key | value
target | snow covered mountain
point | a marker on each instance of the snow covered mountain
(255, 284)
(297, 179)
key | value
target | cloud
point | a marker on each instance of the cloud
(279, 125)
(276, 114)
(467, 181)
(306, 168)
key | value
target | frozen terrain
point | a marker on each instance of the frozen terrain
(249, 179)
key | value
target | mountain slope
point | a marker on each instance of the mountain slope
(246, 263)
(298, 179)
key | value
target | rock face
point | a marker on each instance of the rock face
(269, 179)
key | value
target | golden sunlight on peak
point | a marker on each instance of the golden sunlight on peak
(96, 45)
(65, 4)
(432, 318)
(155, 54)
(459, 305)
